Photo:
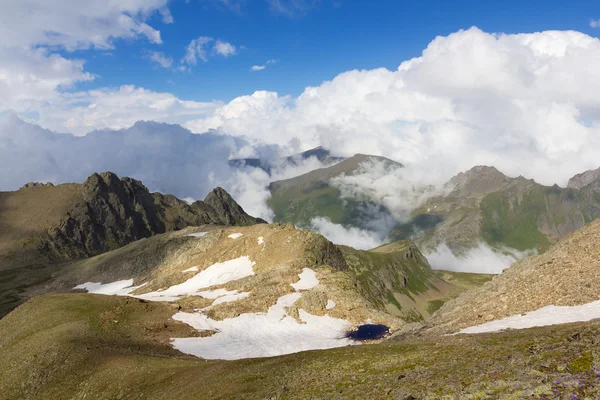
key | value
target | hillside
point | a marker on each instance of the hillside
(41, 223)
(388, 288)
(485, 205)
(104, 347)
(44, 226)
(304, 197)
(568, 274)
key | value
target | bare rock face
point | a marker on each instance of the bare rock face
(479, 179)
(227, 210)
(584, 179)
(113, 212)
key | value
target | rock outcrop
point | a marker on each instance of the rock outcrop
(568, 274)
(113, 212)
(35, 184)
(584, 179)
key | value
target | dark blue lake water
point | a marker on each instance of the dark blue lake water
(368, 332)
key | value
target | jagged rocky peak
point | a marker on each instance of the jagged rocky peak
(113, 212)
(582, 180)
(479, 179)
(228, 209)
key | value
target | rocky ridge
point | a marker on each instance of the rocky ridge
(568, 274)
(109, 212)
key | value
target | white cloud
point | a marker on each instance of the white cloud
(292, 8)
(160, 59)
(595, 23)
(526, 103)
(116, 108)
(197, 48)
(349, 236)
(261, 67)
(34, 73)
(77, 24)
(481, 259)
(399, 190)
(224, 49)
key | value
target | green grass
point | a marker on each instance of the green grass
(68, 346)
(513, 223)
(434, 305)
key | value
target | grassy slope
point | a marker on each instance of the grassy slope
(26, 213)
(100, 347)
(380, 277)
(304, 197)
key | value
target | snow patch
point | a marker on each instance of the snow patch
(549, 315)
(197, 234)
(235, 236)
(231, 297)
(216, 274)
(120, 288)
(308, 280)
(192, 269)
(267, 334)
(261, 240)
(330, 304)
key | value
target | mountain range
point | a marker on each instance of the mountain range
(479, 205)
(113, 291)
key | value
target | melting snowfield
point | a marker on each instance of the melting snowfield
(267, 334)
(549, 315)
(216, 274)
(249, 335)
(262, 334)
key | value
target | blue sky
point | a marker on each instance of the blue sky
(311, 46)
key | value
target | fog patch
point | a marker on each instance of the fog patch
(481, 260)
(400, 190)
(357, 238)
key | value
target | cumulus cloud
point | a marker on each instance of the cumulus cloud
(160, 59)
(36, 38)
(525, 103)
(595, 23)
(349, 236)
(224, 49)
(481, 259)
(79, 24)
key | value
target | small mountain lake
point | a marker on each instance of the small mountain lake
(368, 332)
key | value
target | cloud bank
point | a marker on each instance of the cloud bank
(481, 259)
(525, 103)
(361, 239)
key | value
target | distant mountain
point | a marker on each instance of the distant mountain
(481, 204)
(304, 197)
(587, 178)
(484, 204)
(45, 222)
(319, 153)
